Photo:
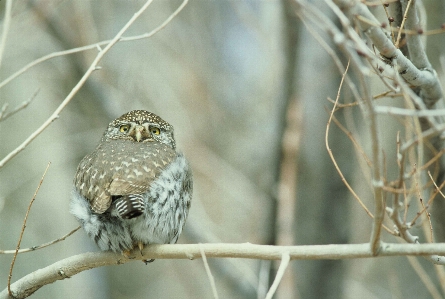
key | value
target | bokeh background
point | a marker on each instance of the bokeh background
(245, 85)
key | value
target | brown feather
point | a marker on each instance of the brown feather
(112, 170)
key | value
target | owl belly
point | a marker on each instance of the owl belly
(166, 205)
(108, 232)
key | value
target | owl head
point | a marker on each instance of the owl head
(140, 126)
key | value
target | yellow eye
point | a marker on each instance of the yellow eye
(124, 128)
(155, 130)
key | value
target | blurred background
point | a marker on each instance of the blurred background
(245, 85)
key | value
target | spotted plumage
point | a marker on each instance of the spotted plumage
(134, 188)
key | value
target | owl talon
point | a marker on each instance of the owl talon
(140, 246)
(148, 261)
(127, 253)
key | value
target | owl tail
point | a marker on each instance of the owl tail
(130, 206)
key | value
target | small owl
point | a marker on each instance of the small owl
(134, 188)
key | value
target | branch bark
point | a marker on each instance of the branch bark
(425, 77)
(69, 267)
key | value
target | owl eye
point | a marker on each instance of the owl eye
(124, 128)
(155, 130)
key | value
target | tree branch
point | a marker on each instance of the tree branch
(425, 78)
(91, 69)
(4, 115)
(71, 266)
(37, 247)
(283, 266)
(92, 46)
(6, 25)
(24, 226)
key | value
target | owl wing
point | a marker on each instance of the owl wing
(139, 170)
(88, 186)
(110, 170)
(126, 187)
(101, 203)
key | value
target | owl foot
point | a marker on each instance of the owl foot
(127, 254)
(141, 246)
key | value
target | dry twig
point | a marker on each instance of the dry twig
(283, 266)
(92, 46)
(209, 273)
(6, 24)
(34, 248)
(4, 115)
(23, 229)
(91, 69)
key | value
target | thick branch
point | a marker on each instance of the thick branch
(78, 263)
(415, 47)
(425, 78)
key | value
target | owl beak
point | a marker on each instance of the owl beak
(138, 134)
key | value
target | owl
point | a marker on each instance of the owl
(134, 189)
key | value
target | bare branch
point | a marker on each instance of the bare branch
(76, 88)
(209, 273)
(399, 35)
(6, 24)
(34, 248)
(426, 78)
(389, 110)
(283, 266)
(4, 115)
(93, 46)
(416, 50)
(71, 266)
(23, 228)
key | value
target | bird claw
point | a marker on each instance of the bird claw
(127, 254)
(140, 246)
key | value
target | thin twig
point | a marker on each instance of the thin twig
(357, 146)
(92, 46)
(303, 15)
(400, 183)
(25, 104)
(408, 32)
(209, 273)
(378, 3)
(23, 229)
(6, 24)
(330, 151)
(428, 216)
(283, 266)
(437, 188)
(390, 110)
(34, 248)
(3, 109)
(331, 116)
(76, 88)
